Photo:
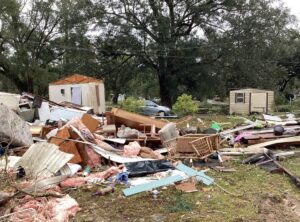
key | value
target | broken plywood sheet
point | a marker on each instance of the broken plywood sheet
(290, 140)
(134, 120)
(43, 159)
(13, 128)
(70, 147)
(66, 146)
(91, 123)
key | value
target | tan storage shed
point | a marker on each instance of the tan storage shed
(79, 89)
(246, 101)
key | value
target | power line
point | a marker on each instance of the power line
(149, 53)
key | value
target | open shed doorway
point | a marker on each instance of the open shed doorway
(76, 95)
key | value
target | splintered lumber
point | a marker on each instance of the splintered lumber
(282, 141)
(134, 120)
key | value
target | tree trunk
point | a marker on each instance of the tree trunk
(164, 90)
(115, 98)
(166, 86)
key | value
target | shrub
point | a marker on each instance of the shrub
(185, 105)
(132, 104)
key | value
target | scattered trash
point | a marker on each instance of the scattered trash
(66, 146)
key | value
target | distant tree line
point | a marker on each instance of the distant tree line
(150, 48)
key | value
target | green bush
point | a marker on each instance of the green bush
(132, 104)
(280, 99)
(185, 105)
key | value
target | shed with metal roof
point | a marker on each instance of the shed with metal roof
(79, 89)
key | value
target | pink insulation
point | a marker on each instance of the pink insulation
(132, 149)
(45, 209)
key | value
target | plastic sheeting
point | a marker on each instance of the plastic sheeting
(142, 168)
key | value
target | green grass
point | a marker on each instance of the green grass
(258, 195)
(251, 187)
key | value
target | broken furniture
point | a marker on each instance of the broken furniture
(134, 120)
(201, 144)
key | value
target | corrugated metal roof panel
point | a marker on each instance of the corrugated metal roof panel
(43, 160)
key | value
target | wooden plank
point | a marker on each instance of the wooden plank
(237, 129)
(152, 185)
(293, 140)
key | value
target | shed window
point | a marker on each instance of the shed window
(62, 91)
(240, 98)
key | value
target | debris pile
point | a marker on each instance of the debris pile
(50, 148)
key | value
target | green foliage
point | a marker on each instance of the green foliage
(280, 99)
(185, 105)
(132, 104)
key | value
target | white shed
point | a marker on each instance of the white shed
(79, 89)
(246, 101)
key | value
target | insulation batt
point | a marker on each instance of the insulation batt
(45, 209)
(132, 149)
(78, 181)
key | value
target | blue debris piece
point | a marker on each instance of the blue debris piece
(200, 175)
(149, 186)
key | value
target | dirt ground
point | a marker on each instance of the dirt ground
(255, 195)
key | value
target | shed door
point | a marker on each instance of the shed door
(76, 95)
(259, 102)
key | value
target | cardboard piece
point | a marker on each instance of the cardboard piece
(187, 187)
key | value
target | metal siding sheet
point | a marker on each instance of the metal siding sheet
(43, 159)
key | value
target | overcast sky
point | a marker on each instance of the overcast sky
(294, 5)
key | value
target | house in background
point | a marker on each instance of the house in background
(79, 89)
(247, 101)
